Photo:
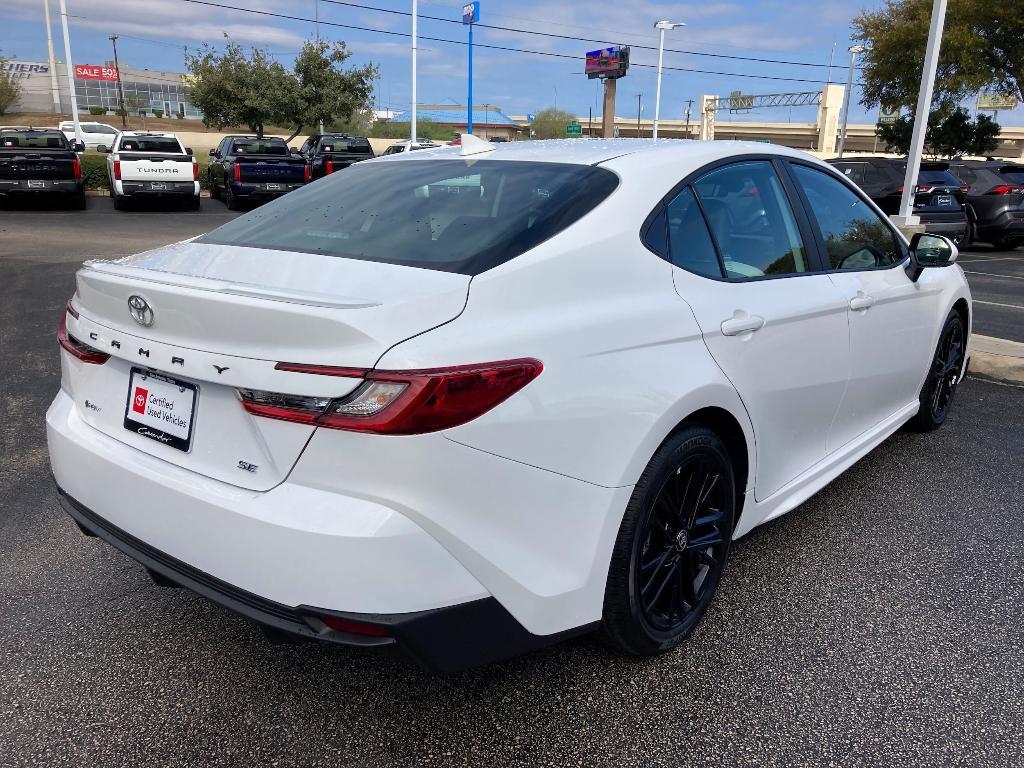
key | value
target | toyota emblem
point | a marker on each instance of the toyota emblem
(140, 310)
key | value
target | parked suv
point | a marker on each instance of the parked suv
(995, 200)
(938, 200)
(93, 134)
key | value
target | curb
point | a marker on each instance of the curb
(998, 359)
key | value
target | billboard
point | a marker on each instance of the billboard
(607, 62)
(995, 101)
(471, 13)
(94, 72)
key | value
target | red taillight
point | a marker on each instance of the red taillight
(83, 352)
(399, 402)
(1005, 189)
(305, 172)
(329, 166)
(117, 170)
(238, 172)
(195, 171)
(355, 627)
(76, 165)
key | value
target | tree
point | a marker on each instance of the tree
(951, 133)
(550, 123)
(234, 89)
(10, 89)
(982, 50)
(425, 129)
(327, 93)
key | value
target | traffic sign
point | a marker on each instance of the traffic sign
(574, 129)
(471, 13)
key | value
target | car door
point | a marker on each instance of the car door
(890, 316)
(773, 321)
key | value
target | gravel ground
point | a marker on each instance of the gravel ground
(878, 624)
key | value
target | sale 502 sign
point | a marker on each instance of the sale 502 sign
(94, 72)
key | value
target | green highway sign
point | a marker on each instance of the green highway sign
(574, 129)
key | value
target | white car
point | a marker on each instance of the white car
(410, 146)
(93, 134)
(143, 164)
(392, 409)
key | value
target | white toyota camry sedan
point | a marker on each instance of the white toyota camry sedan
(465, 402)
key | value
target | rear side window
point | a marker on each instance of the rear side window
(690, 244)
(451, 215)
(1012, 173)
(752, 221)
(149, 144)
(855, 236)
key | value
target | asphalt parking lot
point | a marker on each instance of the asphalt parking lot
(881, 623)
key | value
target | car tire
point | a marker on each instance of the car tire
(194, 203)
(672, 545)
(939, 389)
(119, 203)
(1005, 244)
(78, 202)
(214, 192)
(230, 200)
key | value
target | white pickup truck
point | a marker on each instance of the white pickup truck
(144, 165)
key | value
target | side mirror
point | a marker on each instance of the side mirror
(80, 146)
(213, 153)
(188, 150)
(927, 250)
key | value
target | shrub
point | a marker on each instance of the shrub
(158, 113)
(97, 110)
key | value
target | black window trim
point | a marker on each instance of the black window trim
(822, 249)
(809, 240)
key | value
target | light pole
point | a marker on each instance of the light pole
(906, 217)
(470, 16)
(854, 50)
(70, 67)
(639, 107)
(412, 124)
(661, 26)
(120, 88)
(53, 63)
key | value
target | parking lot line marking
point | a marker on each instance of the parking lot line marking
(991, 258)
(997, 304)
(993, 274)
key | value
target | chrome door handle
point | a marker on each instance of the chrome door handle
(862, 301)
(734, 326)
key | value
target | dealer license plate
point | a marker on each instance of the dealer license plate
(157, 185)
(161, 408)
(36, 184)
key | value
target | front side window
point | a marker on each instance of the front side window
(455, 215)
(855, 236)
(752, 221)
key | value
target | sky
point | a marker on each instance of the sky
(795, 36)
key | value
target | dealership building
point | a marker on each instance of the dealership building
(96, 86)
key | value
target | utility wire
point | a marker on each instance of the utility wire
(579, 39)
(551, 54)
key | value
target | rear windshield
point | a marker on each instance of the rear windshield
(259, 147)
(1013, 174)
(456, 215)
(33, 140)
(149, 144)
(346, 144)
(943, 178)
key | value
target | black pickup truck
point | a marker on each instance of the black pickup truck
(330, 152)
(249, 168)
(37, 161)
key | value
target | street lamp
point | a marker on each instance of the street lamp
(661, 26)
(854, 50)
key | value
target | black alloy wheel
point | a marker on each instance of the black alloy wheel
(673, 544)
(940, 386)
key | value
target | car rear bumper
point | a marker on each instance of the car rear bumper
(58, 186)
(1006, 224)
(287, 556)
(242, 189)
(944, 224)
(145, 189)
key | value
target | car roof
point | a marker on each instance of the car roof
(598, 151)
(150, 133)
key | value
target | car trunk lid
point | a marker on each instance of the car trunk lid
(211, 334)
